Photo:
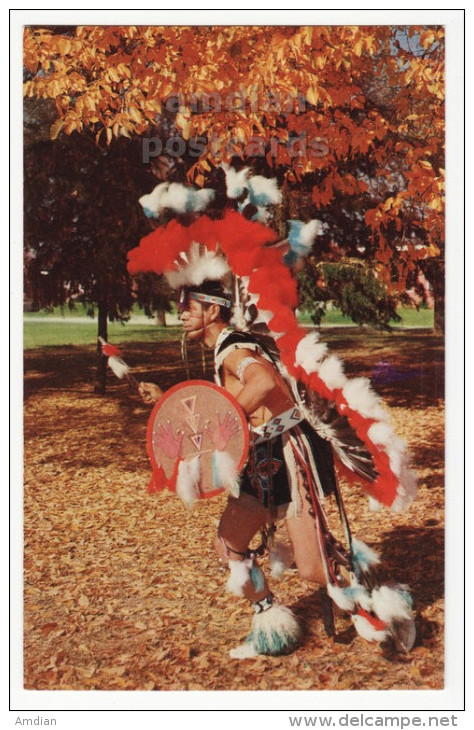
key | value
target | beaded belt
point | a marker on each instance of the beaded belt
(276, 426)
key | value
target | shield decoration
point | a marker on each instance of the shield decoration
(197, 432)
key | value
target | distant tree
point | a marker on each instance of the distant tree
(81, 216)
(350, 286)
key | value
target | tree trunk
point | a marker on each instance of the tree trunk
(434, 271)
(439, 324)
(101, 373)
(160, 319)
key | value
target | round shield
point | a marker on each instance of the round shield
(195, 430)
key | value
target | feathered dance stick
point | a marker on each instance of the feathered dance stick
(116, 363)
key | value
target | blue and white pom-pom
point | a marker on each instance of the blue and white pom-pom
(301, 237)
(176, 197)
(263, 191)
(274, 631)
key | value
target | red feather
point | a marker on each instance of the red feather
(110, 350)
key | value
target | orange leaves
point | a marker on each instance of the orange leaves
(323, 194)
(373, 217)
(322, 98)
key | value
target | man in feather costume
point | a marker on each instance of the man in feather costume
(237, 295)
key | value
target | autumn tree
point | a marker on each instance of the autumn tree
(352, 117)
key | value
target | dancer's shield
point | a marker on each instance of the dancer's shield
(197, 432)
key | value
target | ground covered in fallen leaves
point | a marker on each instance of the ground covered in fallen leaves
(122, 589)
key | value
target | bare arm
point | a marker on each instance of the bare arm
(259, 384)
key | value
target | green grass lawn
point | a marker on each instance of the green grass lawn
(55, 331)
(410, 318)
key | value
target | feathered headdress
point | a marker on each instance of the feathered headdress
(246, 255)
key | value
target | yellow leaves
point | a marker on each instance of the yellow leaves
(412, 69)
(183, 121)
(70, 126)
(307, 35)
(64, 45)
(436, 204)
(437, 90)
(425, 164)
(370, 44)
(134, 113)
(358, 45)
(427, 39)
(124, 70)
(89, 103)
(320, 60)
(312, 95)
(28, 89)
(113, 75)
(56, 128)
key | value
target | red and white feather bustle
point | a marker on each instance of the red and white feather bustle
(232, 246)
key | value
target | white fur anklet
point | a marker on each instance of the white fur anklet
(275, 630)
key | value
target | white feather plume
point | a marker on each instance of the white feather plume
(380, 433)
(366, 630)
(374, 505)
(275, 627)
(310, 352)
(383, 435)
(153, 201)
(201, 265)
(332, 373)
(366, 556)
(264, 316)
(118, 366)
(225, 472)
(390, 604)
(361, 398)
(176, 197)
(236, 182)
(264, 191)
(309, 231)
(187, 483)
(274, 631)
(200, 199)
(239, 577)
(340, 598)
